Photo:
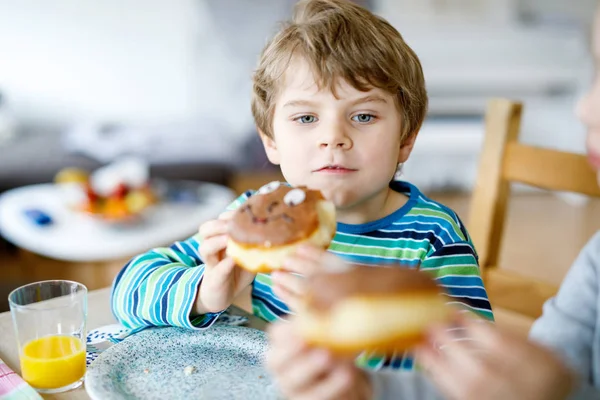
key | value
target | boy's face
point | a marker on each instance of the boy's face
(588, 109)
(348, 147)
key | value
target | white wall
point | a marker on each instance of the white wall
(66, 58)
(137, 61)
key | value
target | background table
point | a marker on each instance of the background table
(75, 236)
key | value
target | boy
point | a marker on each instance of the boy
(338, 100)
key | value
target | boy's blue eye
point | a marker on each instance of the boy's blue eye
(363, 118)
(306, 119)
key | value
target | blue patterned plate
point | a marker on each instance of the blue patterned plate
(222, 362)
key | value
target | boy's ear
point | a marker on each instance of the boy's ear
(270, 147)
(406, 147)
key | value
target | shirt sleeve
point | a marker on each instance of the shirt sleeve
(456, 269)
(569, 320)
(159, 288)
(402, 385)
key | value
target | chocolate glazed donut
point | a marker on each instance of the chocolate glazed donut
(274, 221)
(282, 216)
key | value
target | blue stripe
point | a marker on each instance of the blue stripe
(462, 291)
(460, 280)
(266, 292)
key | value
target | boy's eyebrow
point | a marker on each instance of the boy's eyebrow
(366, 99)
(373, 98)
(296, 103)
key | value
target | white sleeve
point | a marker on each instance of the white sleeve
(402, 385)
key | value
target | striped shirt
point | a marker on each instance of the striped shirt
(158, 288)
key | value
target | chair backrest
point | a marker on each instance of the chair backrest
(504, 160)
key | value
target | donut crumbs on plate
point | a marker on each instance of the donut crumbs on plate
(190, 369)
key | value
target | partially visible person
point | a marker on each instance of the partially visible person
(569, 326)
(561, 359)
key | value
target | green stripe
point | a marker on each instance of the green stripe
(356, 249)
(369, 241)
(259, 309)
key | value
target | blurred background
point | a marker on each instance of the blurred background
(170, 80)
(84, 83)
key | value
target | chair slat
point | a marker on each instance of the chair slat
(549, 169)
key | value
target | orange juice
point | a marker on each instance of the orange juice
(53, 362)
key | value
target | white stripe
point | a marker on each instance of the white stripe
(468, 297)
(468, 306)
(452, 255)
(458, 234)
(464, 287)
(367, 246)
(458, 276)
(430, 202)
(417, 231)
(461, 243)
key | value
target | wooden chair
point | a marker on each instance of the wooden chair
(505, 160)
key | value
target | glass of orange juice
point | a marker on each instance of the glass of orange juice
(50, 324)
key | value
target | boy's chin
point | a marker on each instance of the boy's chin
(340, 201)
(340, 197)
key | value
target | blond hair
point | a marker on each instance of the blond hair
(341, 40)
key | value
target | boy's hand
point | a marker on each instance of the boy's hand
(223, 280)
(494, 365)
(307, 260)
(306, 373)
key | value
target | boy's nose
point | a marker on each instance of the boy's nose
(336, 139)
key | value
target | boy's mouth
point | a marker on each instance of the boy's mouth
(336, 169)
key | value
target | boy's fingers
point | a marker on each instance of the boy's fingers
(283, 351)
(305, 370)
(292, 300)
(210, 249)
(439, 369)
(309, 252)
(292, 283)
(213, 228)
(224, 267)
(488, 335)
(321, 260)
(335, 385)
(333, 263)
(281, 331)
(460, 352)
(226, 215)
(301, 265)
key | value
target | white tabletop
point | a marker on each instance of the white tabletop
(74, 236)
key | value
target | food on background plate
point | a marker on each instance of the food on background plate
(117, 192)
(275, 221)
